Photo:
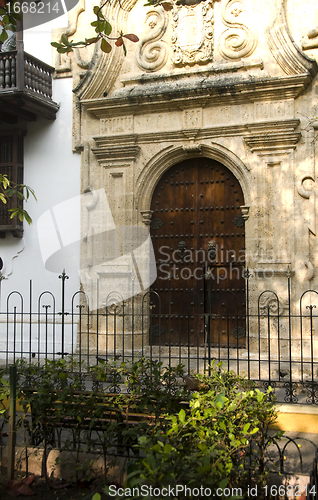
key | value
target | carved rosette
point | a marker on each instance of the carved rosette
(152, 52)
(192, 33)
(238, 40)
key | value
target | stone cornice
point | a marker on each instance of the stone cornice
(107, 152)
(204, 92)
(270, 134)
(281, 136)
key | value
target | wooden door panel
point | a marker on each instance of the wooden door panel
(198, 236)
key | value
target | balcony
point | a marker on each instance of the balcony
(25, 88)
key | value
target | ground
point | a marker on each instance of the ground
(44, 492)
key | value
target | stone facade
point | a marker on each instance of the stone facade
(230, 80)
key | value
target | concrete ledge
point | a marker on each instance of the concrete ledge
(63, 464)
(299, 418)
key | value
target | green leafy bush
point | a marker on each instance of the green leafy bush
(220, 442)
(4, 392)
(215, 437)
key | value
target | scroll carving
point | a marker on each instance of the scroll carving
(310, 40)
(306, 189)
(238, 40)
(63, 64)
(192, 33)
(285, 51)
(153, 53)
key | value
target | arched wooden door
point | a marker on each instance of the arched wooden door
(197, 231)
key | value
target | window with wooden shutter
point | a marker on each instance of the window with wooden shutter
(11, 164)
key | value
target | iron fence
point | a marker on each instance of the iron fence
(271, 339)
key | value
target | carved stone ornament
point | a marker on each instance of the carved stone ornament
(238, 40)
(306, 189)
(310, 41)
(273, 305)
(63, 62)
(146, 216)
(245, 212)
(285, 51)
(192, 33)
(152, 52)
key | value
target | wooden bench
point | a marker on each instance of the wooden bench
(106, 413)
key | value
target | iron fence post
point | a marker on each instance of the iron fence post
(63, 277)
(12, 419)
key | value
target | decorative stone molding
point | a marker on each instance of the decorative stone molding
(146, 216)
(152, 53)
(155, 168)
(106, 153)
(63, 62)
(105, 68)
(301, 188)
(310, 271)
(117, 125)
(285, 51)
(245, 212)
(192, 118)
(238, 40)
(184, 92)
(122, 153)
(192, 33)
(271, 270)
(279, 136)
(192, 148)
(273, 304)
(310, 41)
(310, 195)
(273, 162)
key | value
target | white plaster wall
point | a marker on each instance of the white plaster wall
(53, 171)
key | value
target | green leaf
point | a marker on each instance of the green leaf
(64, 39)
(3, 36)
(246, 428)
(256, 429)
(91, 40)
(101, 25)
(223, 483)
(105, 46)
(182, 416)
(124, 47)
(56, 45)
(62, 50)
(167, 448)
(108, 28)
(96, 496)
